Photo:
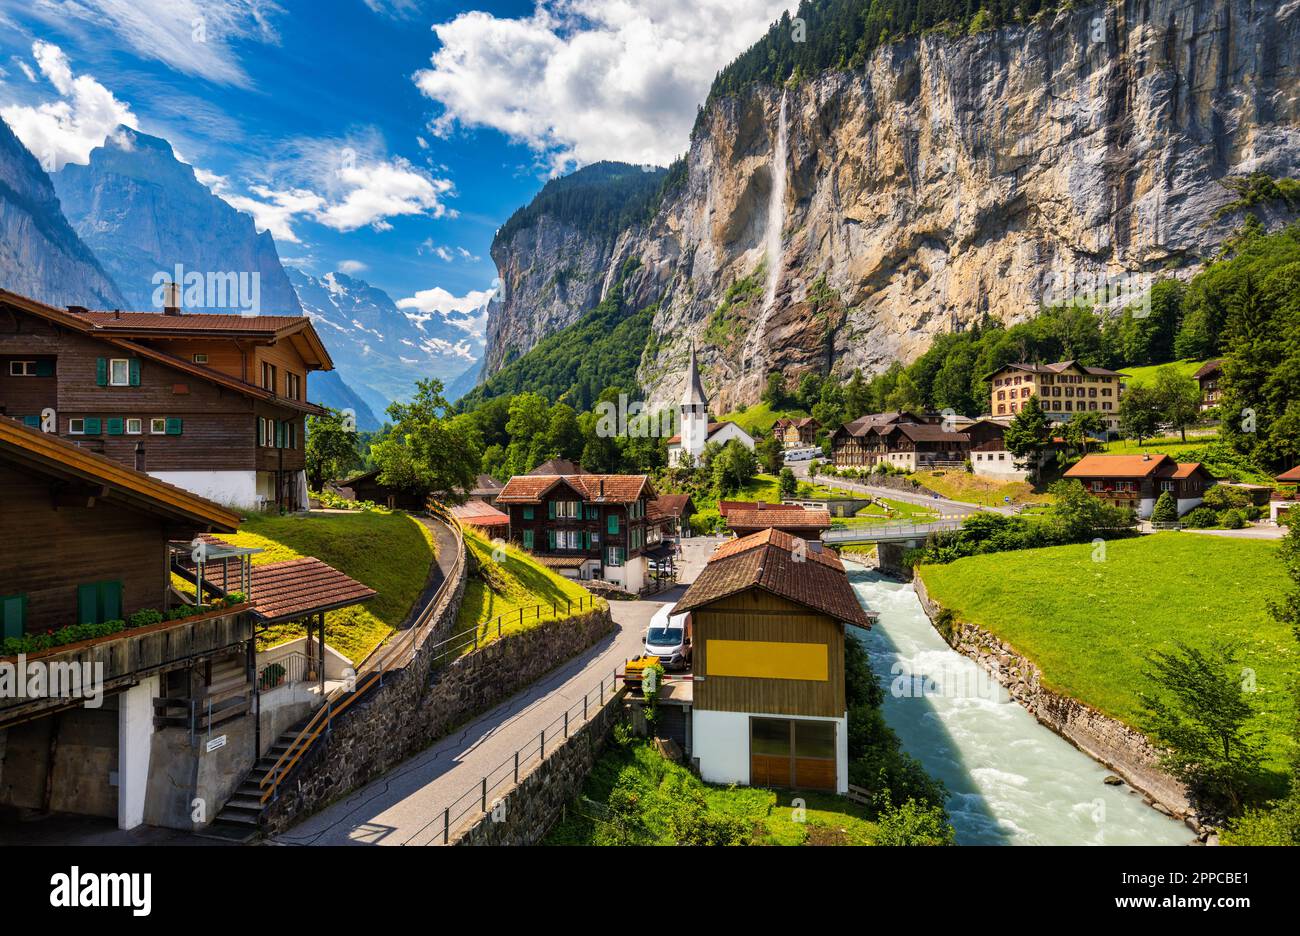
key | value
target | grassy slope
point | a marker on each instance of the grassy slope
(505, 586)
(1173, 446)
(831, 820)
(390, 552)
(975, 489)
(759, 419)
(1147, 373)
(1088, 625)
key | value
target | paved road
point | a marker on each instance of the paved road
(1264, 531)
(942, 505)
(404, 806)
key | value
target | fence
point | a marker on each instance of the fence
(475, 800)
(452, 647)
(288, 669)
(371, 673)
(887, 531)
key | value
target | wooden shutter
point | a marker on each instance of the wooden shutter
(174, 425)
(45, 368)
(87, 603)
(133, 371)
(528, 539)
(115, 425)
(110, 601)
(101, 372)
(550, 539)
(13, 609)
(91, 425)
(550, 510)
(32, 422)
(611, 524)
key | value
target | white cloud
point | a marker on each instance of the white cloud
(352, 267)
(584, 80)
(381, 190)
(195, 37)
(216, 183)
(275, 210)
(438, 299)
(397, 9)
(66, 129)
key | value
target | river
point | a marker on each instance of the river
(1011, 780)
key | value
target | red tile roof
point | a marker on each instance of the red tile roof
(295, 588)
(782, 565)
(477, 513)
(667, 505)
(592, 488)
(782, 519)
(726, 507)
(1290, 477)
(1118, 466)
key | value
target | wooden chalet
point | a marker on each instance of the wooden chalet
(794, 520)
(1136, 481)
(856, 445)
(768, 615)
(215, 403)
(367, 487)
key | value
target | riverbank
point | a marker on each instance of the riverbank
(1012, 779)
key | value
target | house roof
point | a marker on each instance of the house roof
(50, 455)
(782, 565)
(77, 322)
(1059, 367)
(668, 505)
(925, 432)
(294, 588)
(558, 466)
(560, 562)
(1133, 466)
(785, 519)
(592, 488)
(477, 513)
(713, 427)
(1208, 368)
(485, 484)
(863, 424)
(726, 507)
(1291, 476)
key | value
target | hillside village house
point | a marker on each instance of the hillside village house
(671, 514)
(1063, 389)
(747, 517)
(768, 703)
(1136, 481)
(214, 403)
(855, 445)
(696, 430)
(586, 526)
(1281, 503)
(1208, 377)
(795, 432)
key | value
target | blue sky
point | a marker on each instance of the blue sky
(386, 138)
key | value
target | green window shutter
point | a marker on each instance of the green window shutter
(114, 425)
(44, 368)
(32, 422)
(13, 608)
(101, 372)
(528, 540)
(133, 370)
(92, 425)
(586, 539)
(550, 539)
(87, 603)
(110, 601)
(174, 425)
(528, 513)
(550, 510)
(611, 524)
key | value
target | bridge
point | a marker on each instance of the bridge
(888, 532)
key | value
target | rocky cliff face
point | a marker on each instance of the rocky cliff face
(952, 177)
(143, 212)
(40, 254)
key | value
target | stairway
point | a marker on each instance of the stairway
(240, 819)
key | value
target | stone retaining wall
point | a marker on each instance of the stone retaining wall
(525, 814)
(1124, 750)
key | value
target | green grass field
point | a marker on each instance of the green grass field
(1173, 446)
(391, 552)
(1089, 625)
(508, 583)
(1147, 373)
(759, 419)
(663, 788)
(886, 510)
(959, 485)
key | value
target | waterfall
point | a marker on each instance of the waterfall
(776, 211)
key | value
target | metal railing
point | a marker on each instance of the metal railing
(495, 629)
(283, 671)
(371, 673)
(886, 531)
(475, 801)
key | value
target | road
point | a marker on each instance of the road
(941, 505)
(404, 806)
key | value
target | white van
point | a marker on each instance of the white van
(669, 638)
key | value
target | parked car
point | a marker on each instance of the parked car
(669, 638)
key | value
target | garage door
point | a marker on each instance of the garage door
(791, 753)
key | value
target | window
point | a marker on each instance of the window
(22, 368)
(98, 602)
(268, 377)
(614, 555)
(528, 540)
(157, 426)
(76, 427)
(528, 513)
(567, 539)
(119, 373)
(13, 611)
(200, 359)
(1098, 487)
(134, 426)
(292, 383)
(568, 510)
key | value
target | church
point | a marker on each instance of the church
(696, 431)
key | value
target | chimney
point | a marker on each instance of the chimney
(139, 456)
(1146, 456)
(172, 306)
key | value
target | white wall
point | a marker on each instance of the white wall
(134, 740)
(720, 740)
(1000, 464)
(732, 431)
(232, 488)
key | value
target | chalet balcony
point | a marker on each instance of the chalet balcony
(125, 657)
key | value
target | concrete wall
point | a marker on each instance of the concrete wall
(523, 815)
(182, 771)
(417, 705)
(1121, 748)
(232, 488)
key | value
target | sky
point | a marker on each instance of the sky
(387, 139)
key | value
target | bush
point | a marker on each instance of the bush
(914, 823)
(1166, 509)
(1201, 518)
(704, 522)
(144, 618)
(1232, 519)
(1221, 497)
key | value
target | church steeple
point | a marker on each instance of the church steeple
(694, 394)
(694, 411)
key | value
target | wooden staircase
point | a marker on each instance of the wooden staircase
(240, 819)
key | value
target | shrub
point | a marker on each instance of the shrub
(1166, 509)
(914, 823)
(1201, 518)
(1232, 519)
(1223, 497)
(144, 618)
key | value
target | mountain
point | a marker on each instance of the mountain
(143, 212)
(41, 256)
(844, 202)
(328, 389)
(552, 254)
(379, 349)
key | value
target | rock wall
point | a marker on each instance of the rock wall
(1106, 740)
(418, 705)
(952, 177)
(525, 814)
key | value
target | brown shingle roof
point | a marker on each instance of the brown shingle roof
(1061, 367)
(1208, 368)
(596, 489)
(667, 505)
(926, 432)
(480, 514)
(784, 519)
(558, 466)
(192, 322)
(285, 591)
(782, 565)
(1290, 477)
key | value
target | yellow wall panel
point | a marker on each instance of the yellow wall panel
(763, 659)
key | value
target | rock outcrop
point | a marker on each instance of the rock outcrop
(954, 176)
